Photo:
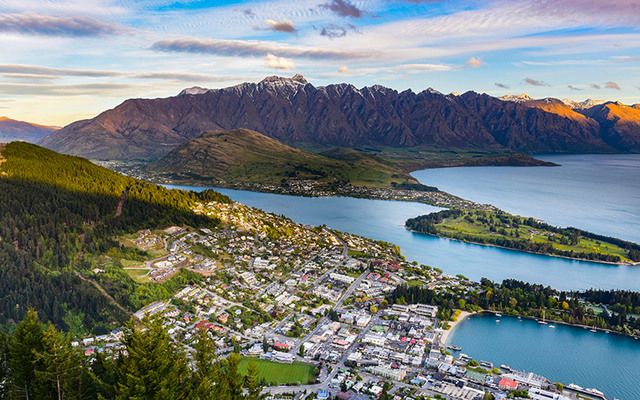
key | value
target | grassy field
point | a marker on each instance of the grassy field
(138, 274)
(280, 374)
(506, 230)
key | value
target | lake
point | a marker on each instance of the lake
(384, 220)
(566, 354)
(596, 192)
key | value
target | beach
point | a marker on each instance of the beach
(452, 325)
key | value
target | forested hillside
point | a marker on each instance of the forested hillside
(59, 213)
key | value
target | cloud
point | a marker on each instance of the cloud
(255, 48)
(595, 86)
(279, 62)
(281, 26)
(502, 85)
(419, 68)
(535, 82)
(184, 77)
(92, 89)
(343, 70)
(20, 69)
(36, 24)
(333, 31)
(612, 85)
(344, 8)
(572, 87)
(474, 62)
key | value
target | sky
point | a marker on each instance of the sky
(66, 60)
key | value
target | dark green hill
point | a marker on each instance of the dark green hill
(57, 214)
(247, 156)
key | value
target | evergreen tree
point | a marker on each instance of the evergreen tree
(26, 343)
(154, 367)
(207, 370)
(252, 383)
(61, 368)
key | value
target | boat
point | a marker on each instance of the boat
(590, 393)
(506, 367)
(497, 321)
(498, 315)
(552, 326)
(454, 347)
(593, 330)
(542, 321)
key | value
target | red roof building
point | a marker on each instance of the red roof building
(508, 384)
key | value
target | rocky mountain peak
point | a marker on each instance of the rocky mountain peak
(518, 98)
(297, 79)
(193, 91)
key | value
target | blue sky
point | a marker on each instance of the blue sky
(67, 60)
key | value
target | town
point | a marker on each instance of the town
(310, 307)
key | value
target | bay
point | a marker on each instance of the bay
(567, 354)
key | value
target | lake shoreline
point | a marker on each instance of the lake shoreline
(620, 264)
(466, 314)
(444, 337)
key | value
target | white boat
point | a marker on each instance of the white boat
(542, 321)
(497, 321)
(498, 315)
(552, 326)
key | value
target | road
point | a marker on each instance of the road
(337, 307)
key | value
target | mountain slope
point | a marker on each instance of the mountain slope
(58, 216)
(247, 156)
(12, 130)
(619, 123)
(294, 111)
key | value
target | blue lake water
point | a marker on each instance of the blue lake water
(598, 193)
(566, 354)
(384, 220)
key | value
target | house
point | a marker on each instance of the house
(508, 384)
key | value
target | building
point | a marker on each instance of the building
(508, 384)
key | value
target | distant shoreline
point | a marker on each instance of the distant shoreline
(621, 264)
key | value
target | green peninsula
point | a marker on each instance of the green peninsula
(499, 228)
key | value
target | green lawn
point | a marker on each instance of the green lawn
(460, 227)
(138, 274)
(280, 374)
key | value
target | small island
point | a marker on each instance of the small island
(499, 228)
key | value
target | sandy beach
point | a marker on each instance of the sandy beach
(452, 325)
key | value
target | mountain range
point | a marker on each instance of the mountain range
(12, 130)
(296, 112)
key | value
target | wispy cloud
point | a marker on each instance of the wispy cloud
(576, 88)
(46, 71)
(535, 82)
(279, 62)
(502, 85)
(281, 26)
(474, 62)
(65, 90)
(333, 31)
(344, 8)
(595, 86)
(254, 48)
(36, 24)
(612, 85)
